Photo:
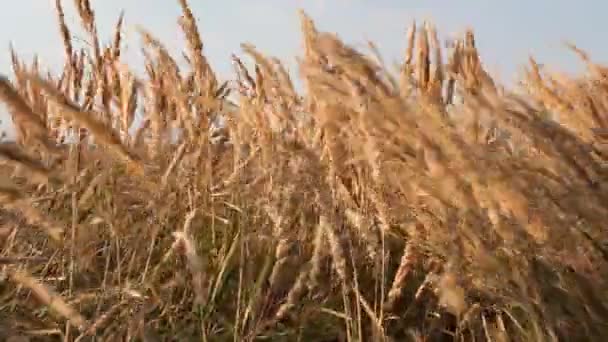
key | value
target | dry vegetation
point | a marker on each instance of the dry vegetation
(372, 208)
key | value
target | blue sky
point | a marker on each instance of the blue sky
(507, 31)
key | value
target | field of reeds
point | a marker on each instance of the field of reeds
(369, 206)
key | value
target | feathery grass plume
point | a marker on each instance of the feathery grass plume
(13, 200)
(117, 37)
(65, 32)
(30, 128)
(49, 298)
(185, 245)
(437, 74)
(101, 321)
(277, 82)
(87, 17)
(337, 252)
(367, 232)
(406, 80)
(282, 251)
(599, 72)
(407, 264)
(295, 294)
(454, 60)
(423, 72)
(18, 68)
(169, 103)
(175, 98)
(36, 172)
(206, 79)
(102, 133)
(128, 99)
(360, 208)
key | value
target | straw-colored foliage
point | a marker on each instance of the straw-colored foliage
(367, 207)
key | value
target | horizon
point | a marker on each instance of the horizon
(224, 26)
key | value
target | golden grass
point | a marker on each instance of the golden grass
(369, 207)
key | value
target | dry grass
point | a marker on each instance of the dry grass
(369, 208)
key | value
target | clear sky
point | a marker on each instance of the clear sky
(507, 31)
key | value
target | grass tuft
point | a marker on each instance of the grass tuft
(371, 206)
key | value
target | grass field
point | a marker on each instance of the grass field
(368, 207)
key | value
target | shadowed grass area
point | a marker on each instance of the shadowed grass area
(369, 207)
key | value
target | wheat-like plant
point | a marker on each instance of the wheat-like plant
(369, 207)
